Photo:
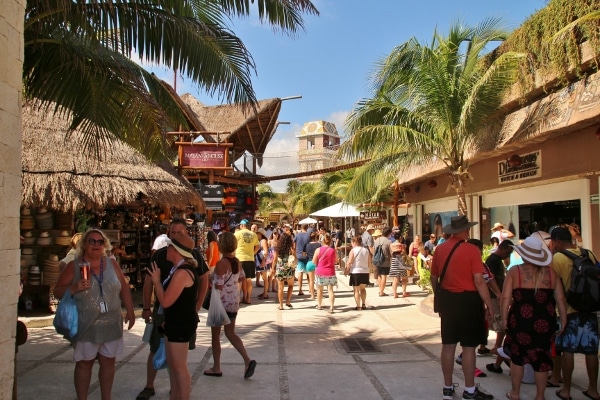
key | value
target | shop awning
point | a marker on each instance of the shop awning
(338, 210)
(57, 174)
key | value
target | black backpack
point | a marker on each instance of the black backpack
(378, 257)
(584, 293)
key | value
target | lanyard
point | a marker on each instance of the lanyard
(100, 278)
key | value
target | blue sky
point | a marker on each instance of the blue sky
(329, 64)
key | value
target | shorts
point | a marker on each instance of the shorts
(496, 325)
(87, 351)
(301, 265)
(326, 280)
(232, 315)
(580, 334)
(463, 319)
(182, 332)
(158, 332)
(383, 270)
(249, 269)
(359, 279)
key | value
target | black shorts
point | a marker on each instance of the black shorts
(359, 279)
(182, 332)
(383, 270)
(249, 268)
(463, 319)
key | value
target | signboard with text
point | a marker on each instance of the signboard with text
(203, 156)
(529, 167)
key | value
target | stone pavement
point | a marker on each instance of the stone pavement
(299, 353)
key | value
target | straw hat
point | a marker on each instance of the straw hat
(262, 232)
(497, 225)
(377, 233)
(369, 227)
(534, 251)
(183, 244)
(458, 224)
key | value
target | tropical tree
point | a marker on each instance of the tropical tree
(78, 62)
(431, 104)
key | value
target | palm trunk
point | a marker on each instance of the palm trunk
(395, 208)
(461, 197)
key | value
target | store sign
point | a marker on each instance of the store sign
(202, 156)
(373, 215)
(212, 196)
(526, 166)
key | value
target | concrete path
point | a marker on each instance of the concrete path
(299, 352)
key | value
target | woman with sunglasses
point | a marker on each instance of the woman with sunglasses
(98, 286)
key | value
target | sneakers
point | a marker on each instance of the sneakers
(493, 368)
(448, 393)
(458, 359)
(477, 395)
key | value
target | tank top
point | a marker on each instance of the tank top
(94, 326)
(361, 261)
(184, 308)
(214, 246)
(326, 262)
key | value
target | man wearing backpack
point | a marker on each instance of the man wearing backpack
(581, 333)
(382, 245)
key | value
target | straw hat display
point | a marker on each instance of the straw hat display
(28, 238)
(35, 275)
(44, 219)
(44, 239)
(27, 222)
(51, 270)
(64, 239)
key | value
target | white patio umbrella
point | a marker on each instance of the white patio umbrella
(308, 220)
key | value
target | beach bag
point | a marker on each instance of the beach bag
(159, 361)
(378, 257)
(584, 293)
(66, 319)
(217, 316)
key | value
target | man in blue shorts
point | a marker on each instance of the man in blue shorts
(301, 239)
(581, 333)
(462, 310)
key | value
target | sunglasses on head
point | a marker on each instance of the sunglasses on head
(95, 241)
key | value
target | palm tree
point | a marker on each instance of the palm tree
(430, 104)
(78, 59)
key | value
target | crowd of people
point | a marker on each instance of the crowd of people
(518, 291)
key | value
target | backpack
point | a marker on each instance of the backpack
(378, 257)
(584, 293)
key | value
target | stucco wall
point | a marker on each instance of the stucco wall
(11, 66)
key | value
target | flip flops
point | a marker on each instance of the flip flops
(586, 394)
(560, 396)
(210, 372)
(250, 370)
(550, 384)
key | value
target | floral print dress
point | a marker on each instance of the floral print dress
(531, 327)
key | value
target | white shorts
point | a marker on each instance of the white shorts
(89, 351)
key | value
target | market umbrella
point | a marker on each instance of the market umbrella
(58, 175)
(308, 220)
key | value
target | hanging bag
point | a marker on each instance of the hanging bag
(207, 298)
(217, 316)
(66, 319)
(159, 361)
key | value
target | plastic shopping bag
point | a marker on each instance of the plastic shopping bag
(217, 316)
(160, 357)
(66, 319)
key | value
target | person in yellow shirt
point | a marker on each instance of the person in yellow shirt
(247, 247)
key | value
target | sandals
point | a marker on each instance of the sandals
(279, 308)
(262, 296)
(210, 372)
(560, 396)
(586, 394)
(509, 396)
(318, 307)
(289, 306)
(145, 394)
(357, 308)
(250, 370)
(331, 311)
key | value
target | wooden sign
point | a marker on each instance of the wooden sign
(203, 155)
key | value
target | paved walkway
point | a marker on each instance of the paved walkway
(299, 353)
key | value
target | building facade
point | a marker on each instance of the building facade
(12, 15)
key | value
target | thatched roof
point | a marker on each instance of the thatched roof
(58, 175)
(247, 130)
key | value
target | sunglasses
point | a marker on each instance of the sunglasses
(95, 241)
